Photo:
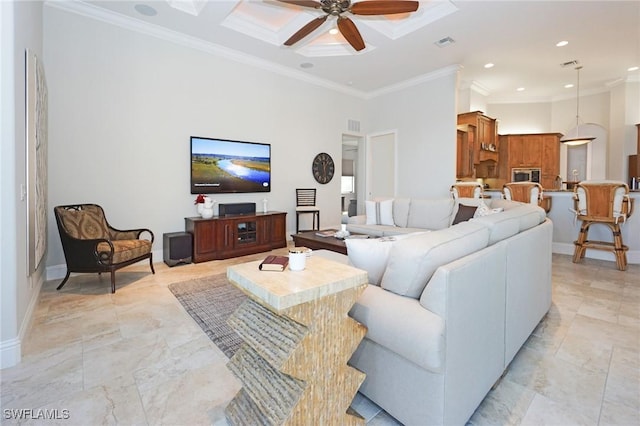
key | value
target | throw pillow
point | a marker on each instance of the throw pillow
(484, 210)
(379, 212)
(371, 254)
(464, 213)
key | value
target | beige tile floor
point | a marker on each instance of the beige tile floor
(136, 357)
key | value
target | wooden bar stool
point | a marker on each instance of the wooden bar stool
(526, 192)
(466, 190)
(608, 203)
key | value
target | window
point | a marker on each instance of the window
(347, 184)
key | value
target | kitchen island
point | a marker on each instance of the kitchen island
(566, 227)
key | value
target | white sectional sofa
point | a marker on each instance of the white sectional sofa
(448, 309)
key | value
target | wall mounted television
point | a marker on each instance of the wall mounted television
(221, 166)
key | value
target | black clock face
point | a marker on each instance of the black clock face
(323, 168)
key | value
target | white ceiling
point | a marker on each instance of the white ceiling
(519, 37)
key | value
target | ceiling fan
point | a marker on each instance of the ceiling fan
(346, 25)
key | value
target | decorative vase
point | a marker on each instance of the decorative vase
(207, 209)
(199, 208)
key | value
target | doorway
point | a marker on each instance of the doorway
(381, 165)
(352, 180)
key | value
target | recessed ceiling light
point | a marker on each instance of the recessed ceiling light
(333, 31)
(568, 86)
(306, 65)
(520, 89)
(633, 69)
(489, 65)
(562, 43)
(145, 10)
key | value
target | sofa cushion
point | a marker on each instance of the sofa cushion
(430, 213)
(88, 223)
(464, 213)
(401, 211)
(379, 212)
(371, 254)
(412, 261)
(403, 326)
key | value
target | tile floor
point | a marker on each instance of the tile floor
(136, 357)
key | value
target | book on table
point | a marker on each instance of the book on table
(326, 233)
(274, 263)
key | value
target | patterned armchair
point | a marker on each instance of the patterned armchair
(90, 244)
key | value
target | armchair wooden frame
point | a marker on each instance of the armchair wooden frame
(103, 254)
(603, 204)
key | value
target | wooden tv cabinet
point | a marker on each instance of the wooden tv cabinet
(223, 237)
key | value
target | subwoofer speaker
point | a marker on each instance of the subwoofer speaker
(236, 208)
(176, 248)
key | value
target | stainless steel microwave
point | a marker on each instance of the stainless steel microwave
(525, 175)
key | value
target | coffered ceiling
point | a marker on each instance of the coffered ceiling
(518, 37)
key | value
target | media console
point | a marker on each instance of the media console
(223, 237)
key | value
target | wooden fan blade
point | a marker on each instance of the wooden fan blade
(303, 3)
(351, 33)
(306, 30)
(384, 7)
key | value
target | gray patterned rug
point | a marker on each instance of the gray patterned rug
(210, 301)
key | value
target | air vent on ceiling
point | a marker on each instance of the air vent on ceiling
(570, 64)
(353, 125)
(444, 42)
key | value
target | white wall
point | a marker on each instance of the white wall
(123, 105)
(522, 118)
(21, 29)
(424, 116)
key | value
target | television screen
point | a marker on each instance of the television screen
(224, 166)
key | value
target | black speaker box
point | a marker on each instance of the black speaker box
(236, 208)
(176, 248)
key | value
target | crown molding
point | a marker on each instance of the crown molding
(109, 17)
(442, 72)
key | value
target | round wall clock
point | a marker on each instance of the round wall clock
(323, 168)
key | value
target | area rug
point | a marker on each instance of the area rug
(210, 301)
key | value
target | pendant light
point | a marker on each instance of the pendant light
(577, 139)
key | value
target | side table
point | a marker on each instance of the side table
(298, 339)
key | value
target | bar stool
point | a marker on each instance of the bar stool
(526, 192)
(306, 204)
(466, 190)
(608, 203)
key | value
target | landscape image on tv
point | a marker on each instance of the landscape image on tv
(221, 166)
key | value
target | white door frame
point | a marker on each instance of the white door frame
(368, 162)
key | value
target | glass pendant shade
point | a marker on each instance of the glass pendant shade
(575, 138)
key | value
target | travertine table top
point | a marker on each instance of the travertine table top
(283, 289)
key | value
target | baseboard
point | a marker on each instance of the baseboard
(11, 349)
(633, 256)
(57, 272)
(10, 353)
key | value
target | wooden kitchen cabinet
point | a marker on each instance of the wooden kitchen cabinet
(465, 149)
(223, 237)
(550, 165)
(539, 150)
(485, 135)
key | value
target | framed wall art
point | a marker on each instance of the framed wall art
(36, 157)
